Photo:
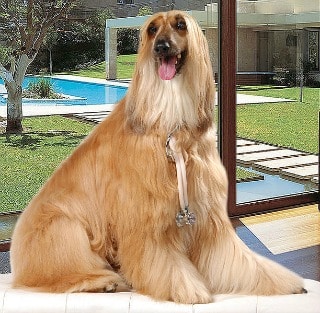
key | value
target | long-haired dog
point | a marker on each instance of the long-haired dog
(109, 217)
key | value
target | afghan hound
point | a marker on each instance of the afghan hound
(142, 202)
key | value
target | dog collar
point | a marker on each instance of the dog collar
(184, 216)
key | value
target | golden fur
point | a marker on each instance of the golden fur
(105, 220)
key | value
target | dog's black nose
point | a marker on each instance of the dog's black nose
(162, 47)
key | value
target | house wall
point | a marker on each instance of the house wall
(124, 10)
(285, 45)
(212, 36)
(247, 50)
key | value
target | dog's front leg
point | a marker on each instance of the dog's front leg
(161, 270)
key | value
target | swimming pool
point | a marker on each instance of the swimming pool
(81, 92)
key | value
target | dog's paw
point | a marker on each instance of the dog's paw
(193, 297)
(300, 290)
(116, 286)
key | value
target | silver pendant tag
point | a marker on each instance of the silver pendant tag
(184, 217)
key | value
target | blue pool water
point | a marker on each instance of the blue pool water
(86, 92)
(272, 186)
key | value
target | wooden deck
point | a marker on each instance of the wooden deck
(289, 163)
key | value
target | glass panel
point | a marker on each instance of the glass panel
(277, 98)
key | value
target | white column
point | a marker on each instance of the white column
(111, 53)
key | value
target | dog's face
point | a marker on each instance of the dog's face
(166, 37)
(172, 84)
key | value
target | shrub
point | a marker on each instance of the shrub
(42, 88)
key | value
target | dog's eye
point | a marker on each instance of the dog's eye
(152, 30)
(181, 25)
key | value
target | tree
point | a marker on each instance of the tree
(145, 10)
(24, 25)
(49, 41)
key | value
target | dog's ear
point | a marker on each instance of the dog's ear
(135, 104)
(200, 72)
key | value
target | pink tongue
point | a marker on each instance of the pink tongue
(167, 69)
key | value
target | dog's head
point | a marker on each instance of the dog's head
(166, 36)
(171, 39)
(173, 82)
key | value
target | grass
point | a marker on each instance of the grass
(125, 68)
(246, 175)
(28, 159)
(287, 124)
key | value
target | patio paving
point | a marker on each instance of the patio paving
(249, 159)
(38, 110)
(291, 164)
(257, 147)
(303, 172)
(277, 165)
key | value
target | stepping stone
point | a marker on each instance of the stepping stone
(277, 165)
(304, 172)
(255, 148)
(95, 117)
(250, 158)
(244, 142)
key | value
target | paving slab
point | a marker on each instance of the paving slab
(250, 158)
(41, 110)
(255, 148)
(245, 142)
(277, 165)
(95, 117)
(303, 172)
(252, 99)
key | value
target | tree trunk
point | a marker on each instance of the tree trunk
(50, 61)
(14, 108)
(13, 85)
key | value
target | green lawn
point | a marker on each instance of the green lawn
(125, 67)
(288, 124)
(27, 160)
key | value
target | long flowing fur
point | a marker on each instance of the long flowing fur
(105, 220)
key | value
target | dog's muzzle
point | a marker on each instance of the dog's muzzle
(169, 59)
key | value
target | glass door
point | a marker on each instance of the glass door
(278, 89)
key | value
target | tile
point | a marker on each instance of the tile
(21, 301)
(276, 165)
(245, 142)
(98, 302)
(144, 304)
(255, 148)
(229, 304)
(304, 303)
(304, 172)
(259, 156)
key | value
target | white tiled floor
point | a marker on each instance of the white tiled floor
(23, 301)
